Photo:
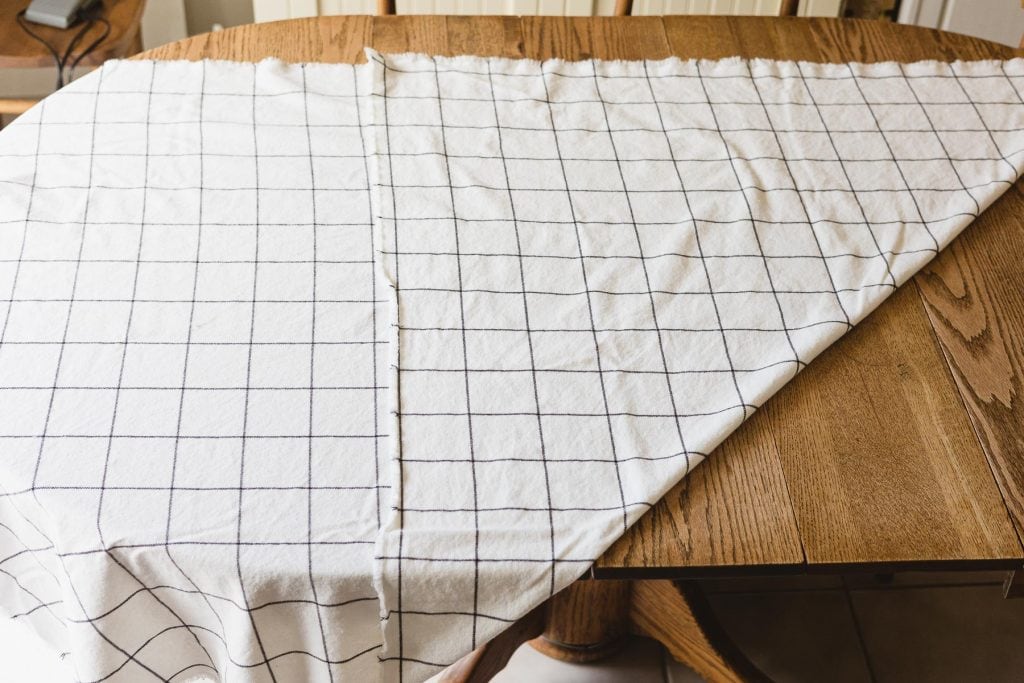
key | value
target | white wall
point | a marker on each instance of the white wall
(1001, 21)
(203, 14)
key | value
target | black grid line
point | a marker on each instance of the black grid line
(702, 256)
(587, 291)
(84, 221)
(640, 252)
(312, 380)
(846, 175)
(529, 336)
(120, 379)
(798, 364)
(803, 204)
(248, 382)
(465, 363)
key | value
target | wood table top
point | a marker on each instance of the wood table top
(18, 49)
(918, 462)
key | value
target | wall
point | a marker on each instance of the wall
(203, 14)
(1001, 21)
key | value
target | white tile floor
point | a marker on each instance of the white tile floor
(916, 628)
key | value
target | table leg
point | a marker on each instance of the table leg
(588, 620)
(676, 614)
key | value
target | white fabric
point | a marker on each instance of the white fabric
(216, 514)
(197, 458)
(608, 306)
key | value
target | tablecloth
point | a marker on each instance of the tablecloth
(321, 372)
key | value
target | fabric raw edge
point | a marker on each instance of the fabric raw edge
(372, 55)
(673, 61)
(377, 143)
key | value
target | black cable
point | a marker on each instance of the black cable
(92, 46)
(32, 34)
(91, 17)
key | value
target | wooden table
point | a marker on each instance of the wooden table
(918, 463)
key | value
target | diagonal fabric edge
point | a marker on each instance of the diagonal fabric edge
(440, 598)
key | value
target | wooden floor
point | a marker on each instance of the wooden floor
(903, 444)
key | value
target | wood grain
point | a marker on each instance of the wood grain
(731, 511)
(493, 36)
(975, 299)
(586, 621)
(600, 37)
(325, 39)
(879, 455)
(892, 474)
(678, 616)
(18, 49)
(420, 33)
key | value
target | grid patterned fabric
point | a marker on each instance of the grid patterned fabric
(192, 374)
(603, 268)
(287, 351)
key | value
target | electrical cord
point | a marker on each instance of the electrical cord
(65, 73)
